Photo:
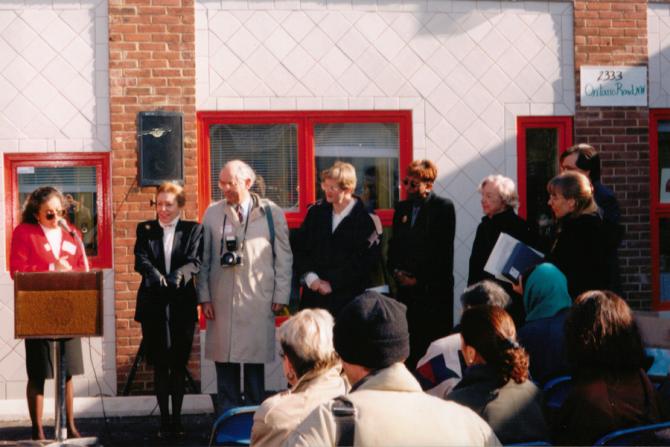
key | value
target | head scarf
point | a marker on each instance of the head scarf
(545, 292)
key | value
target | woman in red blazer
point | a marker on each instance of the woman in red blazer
(40, 245)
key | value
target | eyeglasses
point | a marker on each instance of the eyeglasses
(50, 215)
(412, 183)
(333, 188)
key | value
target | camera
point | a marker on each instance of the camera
(231, 258)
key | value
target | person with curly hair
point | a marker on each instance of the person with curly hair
(496, 384)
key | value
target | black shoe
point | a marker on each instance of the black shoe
(178, 429)
(165, 432)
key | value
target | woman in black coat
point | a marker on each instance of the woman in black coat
(581, 246)
(337, 245)
(499, 199)
(168, 252)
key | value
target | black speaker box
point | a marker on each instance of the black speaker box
(161, 146)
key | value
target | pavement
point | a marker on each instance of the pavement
(129, 422)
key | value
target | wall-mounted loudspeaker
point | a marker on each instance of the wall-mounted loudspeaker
(161, 147)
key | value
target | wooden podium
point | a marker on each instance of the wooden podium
(58, 306)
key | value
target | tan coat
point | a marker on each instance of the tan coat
(243, 330)
(280, 414)
(391, 409)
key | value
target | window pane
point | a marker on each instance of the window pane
(664, 160)
(79, 188)
(373, 149)
(541, 166)
(271, 150)
(664, 259)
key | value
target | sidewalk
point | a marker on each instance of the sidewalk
(131, 421)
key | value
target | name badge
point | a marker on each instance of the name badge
(47, 247)
(69, 247)
(228, 230)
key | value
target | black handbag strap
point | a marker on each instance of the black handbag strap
(345, 421)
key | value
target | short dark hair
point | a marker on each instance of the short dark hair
(484, 292)
(34, 201)
(601, 334)
(587, 159)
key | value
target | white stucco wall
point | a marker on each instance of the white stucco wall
(466, 69)
(658, 33)
(54, 97)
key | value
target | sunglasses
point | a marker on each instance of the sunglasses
(50, 215)
(412, 183)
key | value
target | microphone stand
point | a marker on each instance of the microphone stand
(60, 373)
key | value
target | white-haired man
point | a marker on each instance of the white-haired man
(244, 278)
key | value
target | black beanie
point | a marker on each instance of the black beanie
(371, 331)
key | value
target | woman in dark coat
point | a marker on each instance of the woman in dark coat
(39, 244)
(496, 384)
(581, 246)
(499, 199)
(168, 252)
(337, 245)
(610, 389)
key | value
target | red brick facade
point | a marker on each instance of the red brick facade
(615, 33)
(151, 67)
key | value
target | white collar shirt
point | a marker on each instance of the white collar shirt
(168, 240)
(339, 217)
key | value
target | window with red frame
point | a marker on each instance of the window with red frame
(659, 145)
(540, 141)
(287, 150)
(83, 178)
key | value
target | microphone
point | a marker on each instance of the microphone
(63, 224)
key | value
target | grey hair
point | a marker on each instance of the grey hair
(309, 334)
(485, 292)
(241, 171)
(505, 187)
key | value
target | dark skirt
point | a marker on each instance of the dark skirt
(171, 350)
(39, 360)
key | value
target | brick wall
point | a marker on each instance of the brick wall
(151, 67)
(615, 33)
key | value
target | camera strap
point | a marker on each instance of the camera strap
(223, 231)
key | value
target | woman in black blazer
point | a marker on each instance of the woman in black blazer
(337, 245)
(168, 252)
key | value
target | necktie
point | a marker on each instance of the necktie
(238, 208)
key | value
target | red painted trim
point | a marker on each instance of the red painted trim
(305, 121)
(563, 124)
(100, 160)
(657, 211)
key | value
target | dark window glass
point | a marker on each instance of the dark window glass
(270, 149)
(664, 161)
(664, 259)
(541, 166)
(77, 183)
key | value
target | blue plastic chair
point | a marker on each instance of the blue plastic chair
(555, 392)
(233, 427)
(653, 434)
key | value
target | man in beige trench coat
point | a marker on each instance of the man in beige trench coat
(242, 282)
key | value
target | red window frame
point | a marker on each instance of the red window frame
(657, 210)
(100, 160)
(305, 121)
(563, 124)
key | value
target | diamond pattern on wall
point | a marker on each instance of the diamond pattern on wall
(48, 58)
(658, 23)
(54, 95)
(462, 65)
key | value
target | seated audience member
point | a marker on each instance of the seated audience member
(439, 370)
(546, 299)
(496, 383)
(386, 405)
(610, 389)
(313, 371)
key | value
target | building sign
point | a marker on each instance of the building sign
(613, 86)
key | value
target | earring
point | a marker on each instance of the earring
(290, 376)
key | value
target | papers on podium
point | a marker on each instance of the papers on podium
(510, 258)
